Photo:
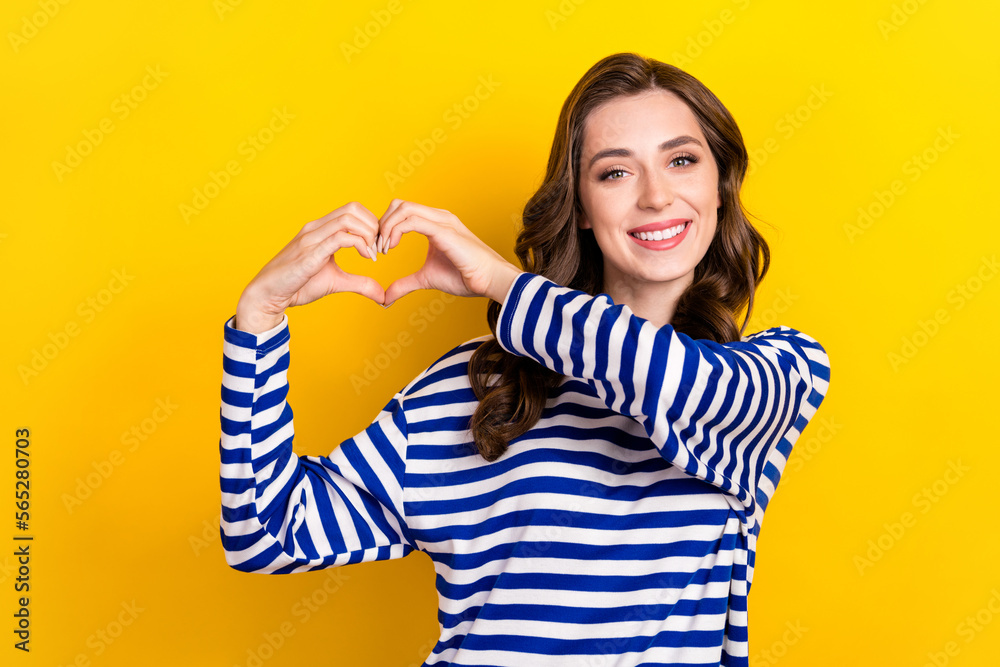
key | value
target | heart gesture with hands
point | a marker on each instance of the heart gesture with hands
(458, 262)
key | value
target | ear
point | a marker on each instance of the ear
(582, 222)
(718, 198)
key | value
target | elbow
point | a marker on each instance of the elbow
(249, 560)
(239, 562)
(245, 552)
(236, 557)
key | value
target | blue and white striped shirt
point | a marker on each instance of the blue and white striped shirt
(620, 530)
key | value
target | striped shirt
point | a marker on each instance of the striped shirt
(620, 530)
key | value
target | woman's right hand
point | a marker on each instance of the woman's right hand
(305, 271)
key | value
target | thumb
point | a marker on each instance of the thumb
(401, 287)
(363, 285)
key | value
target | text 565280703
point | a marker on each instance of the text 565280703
(22, 541)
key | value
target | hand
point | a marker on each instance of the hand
(305, 271)
(457, 261)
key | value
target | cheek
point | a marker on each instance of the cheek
(597, 209)
(583, 220)
(709, 195)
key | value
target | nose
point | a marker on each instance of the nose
(656, 192)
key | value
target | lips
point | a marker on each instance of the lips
(658, 231)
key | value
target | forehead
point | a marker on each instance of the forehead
(649, 117)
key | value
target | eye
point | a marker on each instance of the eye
(687, 159)
(617, 172)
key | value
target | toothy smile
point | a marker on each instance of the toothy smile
(660, 234)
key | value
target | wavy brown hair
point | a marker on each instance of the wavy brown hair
(551, 244)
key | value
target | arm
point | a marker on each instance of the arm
(727, 414)
(284, 513)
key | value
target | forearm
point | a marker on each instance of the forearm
(284, 513)
(254, 417)
(716, 411)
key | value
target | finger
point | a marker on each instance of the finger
(414, 222)
(337, 227)
(403, 286)
(344, 238)
(363, 285)
(393, 205)
(356, 209)
(316, 257)
(404, 210)
(353, 215)
(424, 219)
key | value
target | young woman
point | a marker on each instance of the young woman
(590, 479)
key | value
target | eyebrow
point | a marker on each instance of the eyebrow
(665, 146)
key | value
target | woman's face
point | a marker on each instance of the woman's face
(646, 167)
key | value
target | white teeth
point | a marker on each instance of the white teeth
(659, 235)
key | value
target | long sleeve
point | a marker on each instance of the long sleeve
(285, 513)
(724, 413)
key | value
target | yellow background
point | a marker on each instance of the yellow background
(869, 86)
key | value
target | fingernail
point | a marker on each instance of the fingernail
(371, 252)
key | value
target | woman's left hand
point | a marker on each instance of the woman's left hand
(457, 261)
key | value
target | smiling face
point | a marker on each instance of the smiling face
(649, 187)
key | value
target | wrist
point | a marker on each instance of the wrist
(255, 324)
(254, 320)
(502, 281)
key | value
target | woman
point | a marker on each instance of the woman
(590, 479)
